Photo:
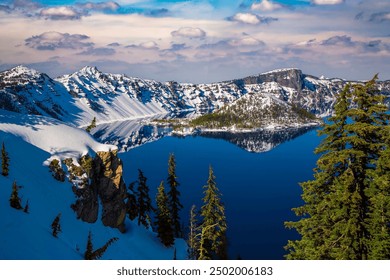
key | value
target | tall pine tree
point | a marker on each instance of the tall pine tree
(379, 216)
(193, 235)
(145, 207)
(212, 243)
(174, 196)
(131, 203)
(339, 206)
(163, 218)
(4, 161)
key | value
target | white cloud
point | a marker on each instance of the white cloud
(249, 18)
(55, 40)
(327, 2)
(60, 13)
(100, 6)
(246, 42)
(189, 32)
(265, 6)
(246, 18)
(149, 45)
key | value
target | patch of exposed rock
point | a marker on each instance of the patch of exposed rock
(99, 178)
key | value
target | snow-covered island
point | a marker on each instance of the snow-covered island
(251, 112)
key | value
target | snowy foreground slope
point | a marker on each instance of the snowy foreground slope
(30, 141)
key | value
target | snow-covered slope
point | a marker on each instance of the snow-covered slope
(30, 141)
(53, 136)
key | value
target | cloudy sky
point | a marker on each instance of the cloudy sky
(198, 41)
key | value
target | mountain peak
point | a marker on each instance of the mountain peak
(23, 70)
(89, 70)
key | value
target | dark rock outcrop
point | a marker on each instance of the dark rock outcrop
(111, 188)
(86, 205)
(104, 182)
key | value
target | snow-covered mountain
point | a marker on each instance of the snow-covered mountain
(88, 93)
(31, 143)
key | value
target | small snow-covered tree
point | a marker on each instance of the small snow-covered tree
(131, 203)
(14, 199)
(4, 161)
(26, 208)
(97, 254)
(92, 125)
(144, 202)
(55, 226)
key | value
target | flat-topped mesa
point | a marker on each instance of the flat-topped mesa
(292, 78)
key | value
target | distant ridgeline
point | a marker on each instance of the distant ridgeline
(88, 93)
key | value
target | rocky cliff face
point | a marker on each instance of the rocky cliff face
(111, 188)
(100, 178)
(291, 78)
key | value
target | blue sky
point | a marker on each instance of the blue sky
(198, 41)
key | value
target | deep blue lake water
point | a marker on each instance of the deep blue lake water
(259, 189)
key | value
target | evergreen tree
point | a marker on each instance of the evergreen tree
(88, 255)
(212, 243)
(4, 161)
(193, 235)
(14, 199)
(174, 196)
(339, 202)
(26, 208)
(163, 218)
(144, 201)
(55, 225)
(131, 203)
(379, 215)
(92, 125)
(97, 254)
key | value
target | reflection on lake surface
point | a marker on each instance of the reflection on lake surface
(129, 134)
(258, 141)
(134, 133)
